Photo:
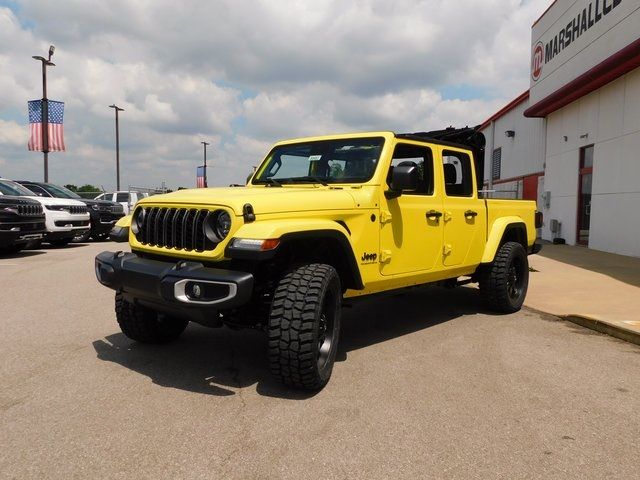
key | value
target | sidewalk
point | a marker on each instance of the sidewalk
(595, 289)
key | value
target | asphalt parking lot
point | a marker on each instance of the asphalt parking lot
(428, 385)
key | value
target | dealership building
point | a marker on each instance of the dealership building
(572, 141)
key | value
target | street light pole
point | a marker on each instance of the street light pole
(204, 144)
(117, 109)
(46, 62)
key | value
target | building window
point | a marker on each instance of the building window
(496, 161)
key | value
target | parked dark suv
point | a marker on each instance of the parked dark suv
(21, 220)
(104, 214)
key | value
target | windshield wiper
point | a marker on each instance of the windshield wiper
(312, 179)
(270, 182)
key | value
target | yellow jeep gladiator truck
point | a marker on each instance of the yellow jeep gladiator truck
(321, 221)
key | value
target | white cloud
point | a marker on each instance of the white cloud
(244, 74)
(12, 134)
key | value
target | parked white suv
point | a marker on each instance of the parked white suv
(64, 218)
(127, 199)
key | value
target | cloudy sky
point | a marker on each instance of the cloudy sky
(244, 74)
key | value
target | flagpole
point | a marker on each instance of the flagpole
(117, 109)
(44, 124)
(204, 144)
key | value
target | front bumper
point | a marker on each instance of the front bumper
(17, 233)
(63, 221)
(103, 222)
(119, 234)
(169, 287)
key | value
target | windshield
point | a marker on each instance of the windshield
(7, 187)
(327, 161)
(60, 192)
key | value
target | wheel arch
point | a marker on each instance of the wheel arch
(508, 229)
(316, 241)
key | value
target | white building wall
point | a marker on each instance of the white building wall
(521, 155)
(609, 119)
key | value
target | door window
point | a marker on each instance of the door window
(457, 174)
(406, 154)
(122, 197)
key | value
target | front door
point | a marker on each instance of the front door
(411, 224)
(585, 179)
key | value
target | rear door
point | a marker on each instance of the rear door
(411, 239)
(464, 214)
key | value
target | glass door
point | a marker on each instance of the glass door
(585, 181)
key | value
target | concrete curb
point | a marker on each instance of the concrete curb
(607, 328)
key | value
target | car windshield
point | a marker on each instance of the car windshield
(350, 160)
(60, 192)
(7, 187)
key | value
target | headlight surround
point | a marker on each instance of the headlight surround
(57, 208)
(137, 222)
(217, 226)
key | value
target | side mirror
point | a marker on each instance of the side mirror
(405, 178)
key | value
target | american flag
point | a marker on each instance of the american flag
(56, 132)
(200, 177)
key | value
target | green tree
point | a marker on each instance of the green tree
(89, 188)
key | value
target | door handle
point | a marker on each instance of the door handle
(470, 213)
(433, 214)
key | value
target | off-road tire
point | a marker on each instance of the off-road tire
(504, 282)
(144, 325)
(304, 326)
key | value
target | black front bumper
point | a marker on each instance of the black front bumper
(20, 233)
(164, 286)
(103, 222)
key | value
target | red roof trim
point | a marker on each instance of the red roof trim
(615, 66)
(545, 12)
(506, 109)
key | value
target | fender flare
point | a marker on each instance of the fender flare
(291, 230)
(498, 229)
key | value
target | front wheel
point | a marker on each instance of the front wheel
(144, 325)
(504, 283)
(304, 326)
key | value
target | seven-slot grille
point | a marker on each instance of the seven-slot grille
(180, 228)
(30, 210)
(77, 209)
(111, 208)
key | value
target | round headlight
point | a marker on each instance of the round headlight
(223, 224)
(137, 222)
(217, 226)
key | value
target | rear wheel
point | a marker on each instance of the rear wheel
(144, 325)
(304, 326)
(504, 283)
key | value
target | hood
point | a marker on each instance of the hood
(56, 201)
(263, 199)
(11, 200)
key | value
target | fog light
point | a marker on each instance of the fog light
(196, 291)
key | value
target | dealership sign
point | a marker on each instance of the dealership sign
(546, 50)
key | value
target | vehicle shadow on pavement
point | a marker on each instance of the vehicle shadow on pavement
(220, 361)
(20, 254)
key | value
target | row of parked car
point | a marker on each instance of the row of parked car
(36, 212)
